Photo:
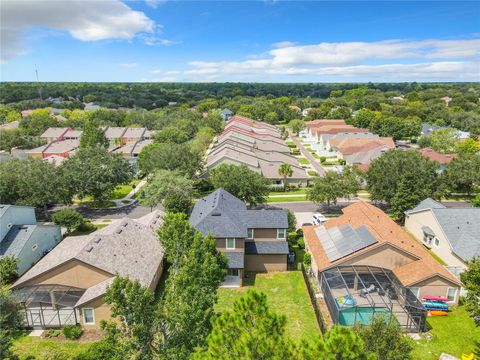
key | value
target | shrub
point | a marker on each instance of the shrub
(68, 218)
(52, 333)
(72, 332)
(86, 226)
(291, 145)
(300, 232)
(307, 259)
(323, 159)
(342, 161)
(295, 152)
(312, 173)
(301, 243)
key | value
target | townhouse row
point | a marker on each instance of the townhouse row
(257, 145)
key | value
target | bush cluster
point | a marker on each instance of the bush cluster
(72, 332)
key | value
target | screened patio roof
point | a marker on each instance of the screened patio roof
(49, 295)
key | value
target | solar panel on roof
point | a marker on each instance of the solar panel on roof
(341, 242)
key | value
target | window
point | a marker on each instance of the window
(249, 233)
(415, 291)
(437, 242)
(230, 243)
(451, 294)
(280, 233)
(88, 317)
(232, 272)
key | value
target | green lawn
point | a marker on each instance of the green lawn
(287, 294)
(453, 334)
(281, 199)
(303, 161)
(94, 228)
(27, 347)
(123, 190)
(291, 191)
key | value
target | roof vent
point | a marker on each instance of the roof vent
(119, 231)
(89, 249)
(216, 214)
(97, 240)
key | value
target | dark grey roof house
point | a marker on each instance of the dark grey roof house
(226, 114)
(252, 239)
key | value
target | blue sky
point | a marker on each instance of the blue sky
(272, 41)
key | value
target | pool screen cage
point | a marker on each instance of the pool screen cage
(49, 306)
(357, 293)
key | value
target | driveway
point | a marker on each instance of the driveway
(320, 170)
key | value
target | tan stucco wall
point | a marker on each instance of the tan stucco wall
(265, 263)
(101, 311)
(73, 273)
(414, 223)
(239, 245)
(436, 286)
(384, 256)
(157, 277)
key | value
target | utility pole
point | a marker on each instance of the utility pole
(38, 81)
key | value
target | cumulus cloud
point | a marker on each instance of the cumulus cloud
(154, 3)
(85, 20)
(390, 59)
(128, 65)
(283, 44)
(162, 79)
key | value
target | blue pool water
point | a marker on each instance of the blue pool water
(349, 317)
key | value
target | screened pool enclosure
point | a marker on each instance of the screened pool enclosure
(49, 306)
(355, 294)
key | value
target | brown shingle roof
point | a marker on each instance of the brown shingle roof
(386, 231)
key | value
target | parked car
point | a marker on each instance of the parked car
(319, 219)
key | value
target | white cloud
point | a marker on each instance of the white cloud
(162, 79)
(165, 72)
(154, 3)
(390, 59)
(85, 20)
(128, 65)
(153, 40)
(283, 44)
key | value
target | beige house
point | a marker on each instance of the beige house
(252, 240)
(68, 284)
(453, 234)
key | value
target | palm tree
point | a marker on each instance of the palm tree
(285, 170)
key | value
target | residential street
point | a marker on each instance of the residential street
(320, 170)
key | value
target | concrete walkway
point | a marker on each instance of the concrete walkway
(320, 170)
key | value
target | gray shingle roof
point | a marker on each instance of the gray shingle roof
(16, 239)
(235, 260)
(266, 247)
(223, 215)
(94, 291)
(125, 247)
(428, 203)
(461, 226)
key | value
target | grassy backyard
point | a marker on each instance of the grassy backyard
(26, 347)
(453, 334)
(287, 294)
(123, 190)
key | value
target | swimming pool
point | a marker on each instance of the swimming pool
(362, 315)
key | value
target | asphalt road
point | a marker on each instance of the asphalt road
(136, 211)
(319, 169)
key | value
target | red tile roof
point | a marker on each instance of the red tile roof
(433, 155)
(385, 230)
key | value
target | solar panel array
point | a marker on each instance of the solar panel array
(340, 242)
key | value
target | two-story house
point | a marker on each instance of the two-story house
(22, 238)
(253, 240)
